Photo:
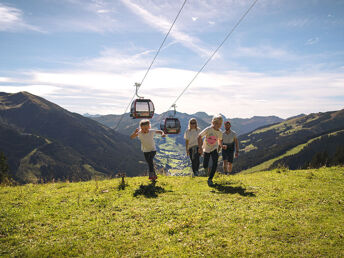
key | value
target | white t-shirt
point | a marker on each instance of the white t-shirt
(211, 139)
(192, 137)
(147, 141)
(228, 138)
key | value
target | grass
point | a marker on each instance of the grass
(275, 213)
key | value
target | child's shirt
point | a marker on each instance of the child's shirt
(229, 138)
(147, 140)
(211, 139)
(192, 137)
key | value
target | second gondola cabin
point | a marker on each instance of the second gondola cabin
(170, 125)
(142, 108)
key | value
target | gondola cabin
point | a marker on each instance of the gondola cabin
(142, 108)
(170, 125)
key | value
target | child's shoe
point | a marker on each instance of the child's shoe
(152, 176)
(210, 182)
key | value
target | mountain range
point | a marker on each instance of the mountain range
(292, 143)
(265, 142)
(43, 141)
(171, 150)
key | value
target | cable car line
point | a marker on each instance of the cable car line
(208, 60)
(157, 53)
(144, 77)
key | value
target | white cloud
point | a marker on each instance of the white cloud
(264, 52)
(163, 25)
(234, 93)
(116, 61)
(300, 22)
(312, 41)
(5, 79)
(194, 18)
(41, 90)
(11, 19)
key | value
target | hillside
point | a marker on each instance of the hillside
(268, 214)
(269, 146)
(44, 141)
(171, 150)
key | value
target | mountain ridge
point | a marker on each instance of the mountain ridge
(269, 142)
(94, 145)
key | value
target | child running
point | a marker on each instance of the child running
(229, 138)
(191, 144)
(146, 136)
(213, 139)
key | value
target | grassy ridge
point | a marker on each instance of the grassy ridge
(275, 213)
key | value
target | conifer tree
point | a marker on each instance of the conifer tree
(4, 170)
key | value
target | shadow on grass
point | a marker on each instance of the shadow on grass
(150, 190)
(226, 188)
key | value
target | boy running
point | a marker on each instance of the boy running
(229, 138)
(146, 136)
(213, 139)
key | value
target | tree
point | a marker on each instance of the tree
(4, 170)
(319, 159)
(338, 158)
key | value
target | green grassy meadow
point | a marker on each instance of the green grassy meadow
(273, 213)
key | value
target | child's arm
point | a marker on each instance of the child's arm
(160, 132)
(220, 141)
(200, 143)
(200, 140)
(135, 133)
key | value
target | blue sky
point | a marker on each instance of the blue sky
(285, 58)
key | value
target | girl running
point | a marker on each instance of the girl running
(146, 136)
(213, 139)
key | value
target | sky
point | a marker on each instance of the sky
(284, 59)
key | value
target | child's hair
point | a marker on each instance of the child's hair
(217, 118)
(144, 122)
(191, 120)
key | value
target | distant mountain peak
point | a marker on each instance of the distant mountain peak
(24, 98)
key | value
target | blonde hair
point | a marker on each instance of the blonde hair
(217, 118)
(189, 125)
(144, 122)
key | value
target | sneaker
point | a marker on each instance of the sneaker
(210, 182)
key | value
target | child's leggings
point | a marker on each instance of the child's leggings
(214, 156)
(149, 156)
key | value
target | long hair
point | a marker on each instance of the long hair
(189, 125)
